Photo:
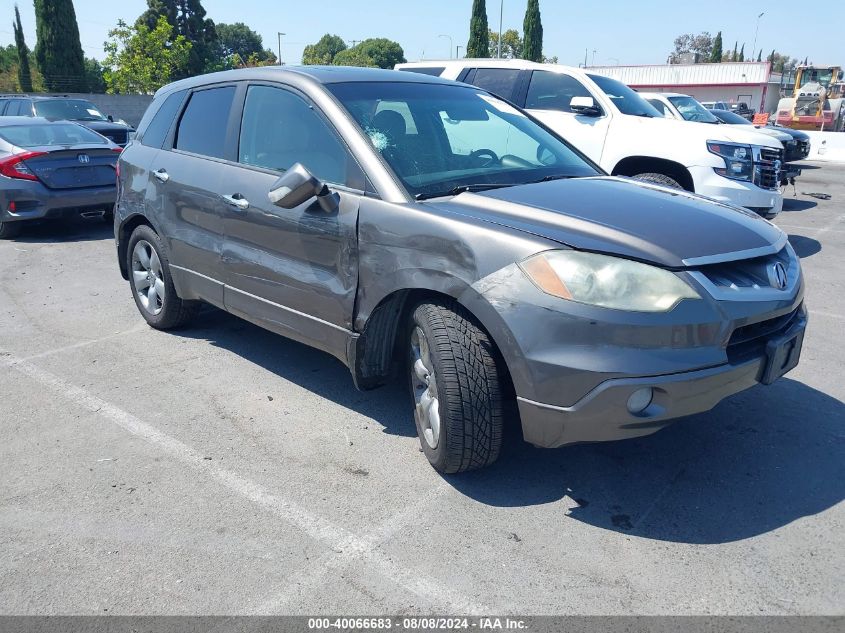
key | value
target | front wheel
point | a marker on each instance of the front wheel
(456, 387)
(152, 284)
(659, 179)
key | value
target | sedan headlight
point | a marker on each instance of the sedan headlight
(739, 160)
(605, 281)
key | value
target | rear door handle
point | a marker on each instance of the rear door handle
(237, 201)
(161, 175)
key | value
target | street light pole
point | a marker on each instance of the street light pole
(280, 46)
(756, 29)
(458, 51)
(501, 13)
(450, 44)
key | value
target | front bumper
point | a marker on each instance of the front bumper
(766, 202)
(35, 202)
(603, 414)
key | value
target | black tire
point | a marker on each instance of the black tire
(468, 388)
(174, 312)
(659, 179)
(9, 230)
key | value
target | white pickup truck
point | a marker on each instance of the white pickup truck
(626, 136)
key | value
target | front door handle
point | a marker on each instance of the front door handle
(161, 175)
(237, 201)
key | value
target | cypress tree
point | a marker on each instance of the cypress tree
(24, 73)
(760, 55)
(742, 54)
(479, 35)
(58, 50)
(532, 29)
(716, 55)
(735, 57)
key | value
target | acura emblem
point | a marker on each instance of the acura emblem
(83, 158)
(777, 276)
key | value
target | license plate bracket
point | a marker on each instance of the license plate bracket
(782, 355)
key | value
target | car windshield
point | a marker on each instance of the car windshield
(692, 110)
(72, 109)
(439, 138)
(821, 76)
(731, 117)
(40, 134)
(626, 100)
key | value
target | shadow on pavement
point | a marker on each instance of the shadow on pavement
(70, 230)
(307, 367)
(805, 246)
(796, 204)
(757, 462)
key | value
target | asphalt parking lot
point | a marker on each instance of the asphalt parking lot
(225, 470)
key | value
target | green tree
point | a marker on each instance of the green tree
(354, 57)
(385, 53)
(188, 19)
(532, 29)
(24, 73)
(94, 76)
(760, 55)
(140, 61)
(479, 33)
(239, 39)
(742, 54)
(58, 50)
(716, 53)
(512, 45)
(701, 44)
(324, 51)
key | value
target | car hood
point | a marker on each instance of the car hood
(783, 137)
(105, 126)
(679, 129)
(622, 217)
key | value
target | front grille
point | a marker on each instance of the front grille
(116, 136)
(767, 168)
(804, 147)
(749, 341)
(749, 274)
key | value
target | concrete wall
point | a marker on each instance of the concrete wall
(130, 108)
(827, 146)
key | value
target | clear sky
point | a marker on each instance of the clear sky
(619, 31)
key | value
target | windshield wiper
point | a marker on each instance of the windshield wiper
(555, 177)
(481, 186)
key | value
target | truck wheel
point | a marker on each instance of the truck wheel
(456, 388)
(152, 284)
(9, 230)
(659, 179)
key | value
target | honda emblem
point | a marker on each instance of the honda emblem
(83, 158)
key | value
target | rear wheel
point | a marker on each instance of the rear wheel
(9, 230)
(456, 388)
(659, 179)
(152, 284)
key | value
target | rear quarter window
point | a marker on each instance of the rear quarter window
(158, 119)
(499, 81)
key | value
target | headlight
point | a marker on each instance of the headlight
(738, 159)
(605, 281)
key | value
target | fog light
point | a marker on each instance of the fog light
(640, 399)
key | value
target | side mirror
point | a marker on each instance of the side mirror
(297, 186)
(110, 118)
(584, 105)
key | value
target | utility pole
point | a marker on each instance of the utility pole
(593, 63)
(280, 47)
(458, 51)
(501, 13)
(756, 29)
(450, 44)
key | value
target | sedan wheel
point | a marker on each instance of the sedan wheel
(424, 386)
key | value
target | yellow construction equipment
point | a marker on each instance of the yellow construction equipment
(818, 100)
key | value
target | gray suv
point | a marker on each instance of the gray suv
(411, 225)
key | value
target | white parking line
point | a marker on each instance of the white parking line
(332, 536)
(73, 346)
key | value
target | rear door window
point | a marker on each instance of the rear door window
(553, 91)
(499, 81)
(204, 124)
